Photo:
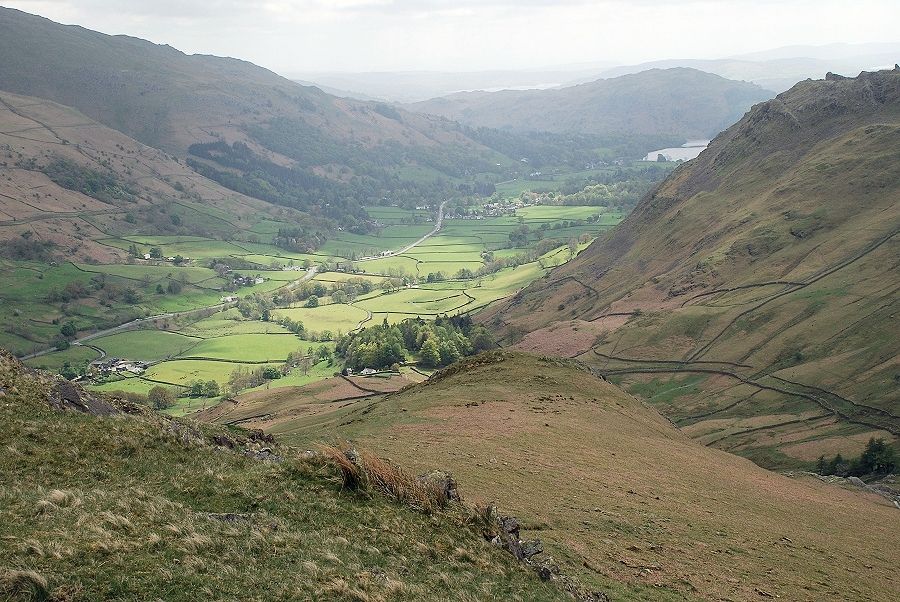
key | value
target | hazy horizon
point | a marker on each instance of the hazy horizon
(353, 36)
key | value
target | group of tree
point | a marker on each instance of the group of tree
(437, 343)
(161, 397)
(200, 388)
(246, 378)
(878, 458)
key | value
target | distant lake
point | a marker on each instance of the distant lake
(685, 152)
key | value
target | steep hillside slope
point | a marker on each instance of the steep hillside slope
(70, 181)
(619, 496)
(303, 147)
(134, 506)
(682, 103)
(753, 295)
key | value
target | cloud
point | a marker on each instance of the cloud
(291, 36)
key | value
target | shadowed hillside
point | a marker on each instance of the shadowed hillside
(70, 181)
(752, 296)
(620, 497)
(303, 147)
(682, 103)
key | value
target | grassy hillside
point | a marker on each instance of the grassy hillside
(136, 506)
(681, 103)
(752, 296)
(619, 496)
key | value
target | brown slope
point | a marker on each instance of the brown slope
(765, 276)
(616, 492)
(37, 133)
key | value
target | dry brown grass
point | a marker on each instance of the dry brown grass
(620, 494)
(364, 471)
(24, 586)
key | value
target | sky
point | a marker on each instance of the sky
(301, 36)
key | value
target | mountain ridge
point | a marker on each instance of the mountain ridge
(723, 295)
(681, 102)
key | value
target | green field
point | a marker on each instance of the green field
(224, 340)
(145, 345)
(334, 317)
(247, 347)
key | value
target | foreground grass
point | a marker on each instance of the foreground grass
(142, 507)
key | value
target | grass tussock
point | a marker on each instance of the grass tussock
(23, 586)
(363, 471)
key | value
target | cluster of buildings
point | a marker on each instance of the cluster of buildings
(241, 280)
(115, 365)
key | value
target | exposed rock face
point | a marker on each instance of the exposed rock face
(69, 396)
(61, 393)
(503, 531)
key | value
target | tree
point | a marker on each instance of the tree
(877, 458)
(67, 371)
(68, 330)
(161, 397)
(339, 296)
(431, 353)
(313, 301)
(211, 389)
(271, 373)
(155, 252)
(196, 389)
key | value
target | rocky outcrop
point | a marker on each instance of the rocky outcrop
(504, 532)
(60, 393)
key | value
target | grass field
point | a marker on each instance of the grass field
(145, 345)
(233, 340)
(74, 356)
(334, 317)
(247, 347)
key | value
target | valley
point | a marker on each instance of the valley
(270, 340)
(421, 265)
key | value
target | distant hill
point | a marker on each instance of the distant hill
(416, 86)
(619, 497)
(781, 68)
(752, 297)
(681, 103)
(304, 147)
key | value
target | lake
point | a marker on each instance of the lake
(685, 152)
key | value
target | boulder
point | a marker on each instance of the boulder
(444, 482)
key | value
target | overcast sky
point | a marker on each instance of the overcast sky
(292, 36)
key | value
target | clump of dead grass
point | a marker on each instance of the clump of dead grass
(363, 471)
(23, 585)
